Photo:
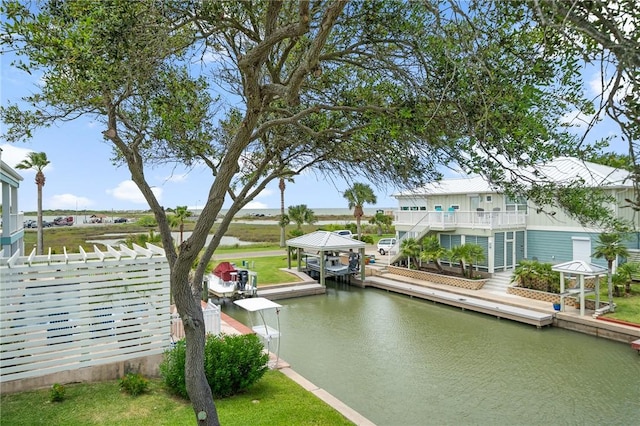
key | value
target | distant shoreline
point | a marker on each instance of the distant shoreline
(248, 212)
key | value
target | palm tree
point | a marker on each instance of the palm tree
(381, 220)
(180, 215)
(472, 254)
(37, 161)
(284, 219)
(625, 274)
(143, 239)
(410, 248)
(433, 251)
(457, 254)
(301, 214)
(609, 248)
(357, 196)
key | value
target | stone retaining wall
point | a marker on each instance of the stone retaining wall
(437, 278)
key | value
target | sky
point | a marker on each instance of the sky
(80, 175)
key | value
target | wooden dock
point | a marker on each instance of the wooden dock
(277, 292)
(499, 310)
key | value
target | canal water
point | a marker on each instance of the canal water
(404, 361)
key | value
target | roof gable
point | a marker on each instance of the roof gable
(325, 241)
(562, 170)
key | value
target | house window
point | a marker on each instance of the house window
(414, 208)
(423, 208)
(489, 198)
(438, 207)
(517, 204)
(455, 206)
(404, 208)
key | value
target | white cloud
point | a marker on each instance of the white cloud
(128, 191)
(576, 119)
(12, 155)
(265, 193)
(67, 202)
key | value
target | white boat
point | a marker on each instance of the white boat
(228, 282)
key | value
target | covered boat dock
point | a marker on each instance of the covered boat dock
(321, 251)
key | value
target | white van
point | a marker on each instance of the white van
(386, 244)
(344, 233)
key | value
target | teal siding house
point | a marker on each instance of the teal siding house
(472, 210)
(11, 227)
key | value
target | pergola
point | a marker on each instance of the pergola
(323, 242)
(580, 269)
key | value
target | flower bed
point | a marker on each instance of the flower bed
(438, 278)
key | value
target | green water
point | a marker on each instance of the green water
(404, 361)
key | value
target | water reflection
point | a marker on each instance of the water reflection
(403, 361)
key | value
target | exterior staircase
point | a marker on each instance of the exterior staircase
(499, 282)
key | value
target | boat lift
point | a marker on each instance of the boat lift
(266, 332)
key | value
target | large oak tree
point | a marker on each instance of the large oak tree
(384, 91)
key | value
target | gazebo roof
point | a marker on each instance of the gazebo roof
(325, 241)
(579, 267)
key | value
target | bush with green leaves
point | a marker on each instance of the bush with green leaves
(134, 384)
(537, 276)
(57, 392)
(366, 239)
(232, 364)
(147, 221)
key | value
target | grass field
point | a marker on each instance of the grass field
(273, 400)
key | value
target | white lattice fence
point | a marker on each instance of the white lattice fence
(70, 311)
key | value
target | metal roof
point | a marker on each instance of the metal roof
(579, 267)
(568, 169)
(325, 241)
(467, 185)
(561, 170)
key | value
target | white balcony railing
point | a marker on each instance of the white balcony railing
(16, 223)
(460, 219)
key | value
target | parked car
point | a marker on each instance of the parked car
(30, 224)
(62, 221)
(386, 244)
(121, 220)
(344, 233)
(47, 224)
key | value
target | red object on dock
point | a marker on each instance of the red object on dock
(636, 345)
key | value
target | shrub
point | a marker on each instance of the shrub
(57, 392)
(172, 369)
(366, 239)
(134, 384)
(147, 221)
(232, 364)
(537, 276)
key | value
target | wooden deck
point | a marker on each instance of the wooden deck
(500, 310)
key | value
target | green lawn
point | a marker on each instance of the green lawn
(268, 269)
(627, 307)
(273, 400)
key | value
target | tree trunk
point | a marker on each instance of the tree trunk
(190, 311)
(39, 236)
(282, 187)
(358, 213)
(610, 285)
